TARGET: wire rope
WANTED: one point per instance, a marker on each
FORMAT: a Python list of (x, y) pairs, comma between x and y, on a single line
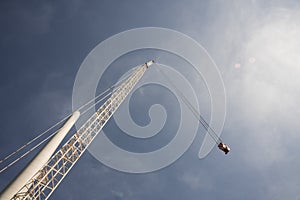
[(82, 109), (197, 115)]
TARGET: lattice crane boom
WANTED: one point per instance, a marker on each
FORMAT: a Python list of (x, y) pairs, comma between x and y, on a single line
[(47, 179)]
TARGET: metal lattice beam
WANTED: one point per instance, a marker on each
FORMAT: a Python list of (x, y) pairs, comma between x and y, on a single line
[(43, 184)]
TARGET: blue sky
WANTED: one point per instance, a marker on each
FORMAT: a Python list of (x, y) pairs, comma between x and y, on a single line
[(255, 44)]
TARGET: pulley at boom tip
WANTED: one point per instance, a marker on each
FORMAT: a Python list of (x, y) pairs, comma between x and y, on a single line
[(149, 63)]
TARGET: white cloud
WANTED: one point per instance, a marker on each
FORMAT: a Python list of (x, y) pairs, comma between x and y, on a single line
[(268, 91)]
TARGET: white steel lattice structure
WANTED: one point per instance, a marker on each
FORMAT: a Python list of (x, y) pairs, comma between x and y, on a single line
[(47, 179)]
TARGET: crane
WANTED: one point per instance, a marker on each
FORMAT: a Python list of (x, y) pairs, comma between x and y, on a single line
[(44, 173), (43, 183)]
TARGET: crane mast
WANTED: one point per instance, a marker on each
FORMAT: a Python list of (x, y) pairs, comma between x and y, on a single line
[(47, 179)]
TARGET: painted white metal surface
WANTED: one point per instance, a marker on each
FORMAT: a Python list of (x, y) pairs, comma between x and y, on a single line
[(39, 160), (149, 63), (48, 178)]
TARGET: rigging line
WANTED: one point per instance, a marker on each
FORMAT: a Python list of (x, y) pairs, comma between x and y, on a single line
[(117, 84), (34, 139), (30, 150), (198, 116), (194, 111), (93, 100), (134, 76), (43, 133), (219, 138), (214, 136), (98, 101), (53, 126), (202, 120), (26, 153)]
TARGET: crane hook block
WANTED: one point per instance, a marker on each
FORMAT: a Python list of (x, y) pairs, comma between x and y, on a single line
[(224, 147)]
